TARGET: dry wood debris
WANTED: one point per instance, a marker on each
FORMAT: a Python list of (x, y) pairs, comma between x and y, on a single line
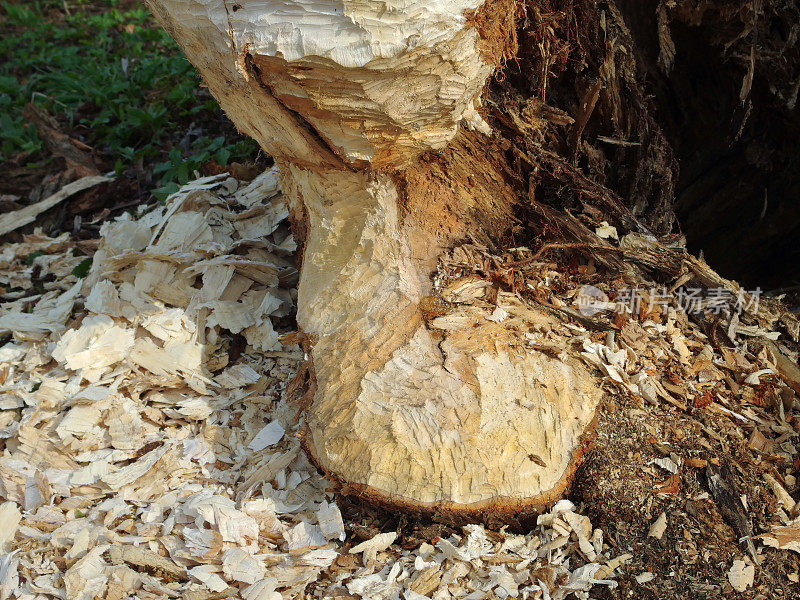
[(18, 218), (727, 375), (148, 447)]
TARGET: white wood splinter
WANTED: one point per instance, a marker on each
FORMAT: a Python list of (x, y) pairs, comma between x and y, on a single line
[(369, 108)]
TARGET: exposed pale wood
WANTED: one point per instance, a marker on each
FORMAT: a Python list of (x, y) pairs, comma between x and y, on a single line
[(374, 85), (443, 424), (347, 98)]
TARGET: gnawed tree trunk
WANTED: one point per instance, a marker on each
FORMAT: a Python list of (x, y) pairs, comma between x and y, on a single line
[(377, 116), (346, 99)]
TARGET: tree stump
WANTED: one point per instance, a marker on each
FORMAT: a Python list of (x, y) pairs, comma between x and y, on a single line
[(377, 116)]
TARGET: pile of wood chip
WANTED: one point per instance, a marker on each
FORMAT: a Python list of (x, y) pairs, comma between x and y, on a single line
[(706, 379), (148, 448)]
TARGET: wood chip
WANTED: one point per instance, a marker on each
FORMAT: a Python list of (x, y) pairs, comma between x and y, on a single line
[(372, 546), (139, 556), (783, 538), (205, 574), (330, 521), (658, 527), (10, 517), (780, 493), (9, 576), (304, 536), (269, 435), (741, 575)]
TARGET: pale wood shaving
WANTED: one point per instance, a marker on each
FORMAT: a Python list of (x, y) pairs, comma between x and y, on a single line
[(784, 538), (741, 575)]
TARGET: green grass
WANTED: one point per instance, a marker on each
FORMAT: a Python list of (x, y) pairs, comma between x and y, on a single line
[(116, 82)]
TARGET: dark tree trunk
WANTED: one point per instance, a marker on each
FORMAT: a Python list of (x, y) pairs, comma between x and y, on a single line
[(708, 91)]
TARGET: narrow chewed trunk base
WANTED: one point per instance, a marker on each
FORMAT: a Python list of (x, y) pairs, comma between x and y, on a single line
[(420, 400)]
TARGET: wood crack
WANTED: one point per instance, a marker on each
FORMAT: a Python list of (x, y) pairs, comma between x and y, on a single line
[(315, 136)]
